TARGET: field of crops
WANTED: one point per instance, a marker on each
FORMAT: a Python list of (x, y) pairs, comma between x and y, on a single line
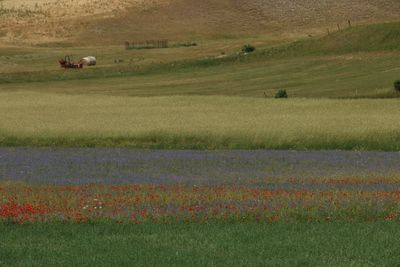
[(32, 119), (169, 225), (167, 204), (315, 244), (164, 157)]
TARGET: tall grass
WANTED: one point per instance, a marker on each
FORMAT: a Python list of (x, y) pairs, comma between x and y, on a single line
[(29, 119)]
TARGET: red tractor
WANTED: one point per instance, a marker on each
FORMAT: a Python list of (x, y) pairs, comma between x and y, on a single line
[(67, 63)]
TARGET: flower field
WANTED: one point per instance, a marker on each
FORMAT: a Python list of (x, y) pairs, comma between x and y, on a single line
[(345, 200)]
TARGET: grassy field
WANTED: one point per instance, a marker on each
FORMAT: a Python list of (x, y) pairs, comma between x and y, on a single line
[(328, 244), (178, 225), (197, 122), (351, 76), (295, 201), (357, 62), (209, 96), (199, 99), (366, 38)]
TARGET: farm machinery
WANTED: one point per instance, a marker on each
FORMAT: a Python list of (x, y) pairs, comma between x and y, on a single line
[(67, 63)]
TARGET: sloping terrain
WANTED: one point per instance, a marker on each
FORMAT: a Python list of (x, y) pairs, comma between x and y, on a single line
[(361, 61), (115, 21), (365, 38), (40, 21)]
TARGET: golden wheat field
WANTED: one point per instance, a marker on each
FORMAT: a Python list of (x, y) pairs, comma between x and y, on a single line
[(190, 121)]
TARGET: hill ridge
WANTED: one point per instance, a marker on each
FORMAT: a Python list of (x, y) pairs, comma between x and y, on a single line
[(114, 21)]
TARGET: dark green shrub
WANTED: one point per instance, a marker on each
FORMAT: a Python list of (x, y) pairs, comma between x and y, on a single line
[(281, 94), (397, 85), (248, 48)]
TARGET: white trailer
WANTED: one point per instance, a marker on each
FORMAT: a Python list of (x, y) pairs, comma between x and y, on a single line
[(88, 61)]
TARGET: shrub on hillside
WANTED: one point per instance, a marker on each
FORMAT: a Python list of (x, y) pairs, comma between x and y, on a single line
[(281, 94), (248, 48), (397, 85)]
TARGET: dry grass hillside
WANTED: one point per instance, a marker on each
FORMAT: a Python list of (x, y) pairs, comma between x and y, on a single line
[(114, 21)]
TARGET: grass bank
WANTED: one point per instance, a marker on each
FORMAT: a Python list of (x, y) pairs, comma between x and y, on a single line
[(365, 38), (357, 62), (196, 122), (328, 244)]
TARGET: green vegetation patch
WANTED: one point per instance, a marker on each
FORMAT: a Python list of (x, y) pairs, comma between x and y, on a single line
[(366, 38), (351, 76), (226, 244)]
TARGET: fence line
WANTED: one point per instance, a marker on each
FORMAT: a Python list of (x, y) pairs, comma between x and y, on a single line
[(163, 43)]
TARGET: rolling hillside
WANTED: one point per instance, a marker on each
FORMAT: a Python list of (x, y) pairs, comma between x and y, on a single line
[(364, 38), (361, 61), (115, 21)]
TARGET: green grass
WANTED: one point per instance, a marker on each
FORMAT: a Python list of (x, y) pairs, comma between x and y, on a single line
[(327, 244), (361, 62), (353, 76), (43, 105), (183, 122), (366, 38)]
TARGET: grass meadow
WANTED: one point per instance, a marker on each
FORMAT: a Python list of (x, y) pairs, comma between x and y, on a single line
[(360, 75), (334, 200), (360, 62), (249, 244), (210, 96), (178, 225), (197, 122)]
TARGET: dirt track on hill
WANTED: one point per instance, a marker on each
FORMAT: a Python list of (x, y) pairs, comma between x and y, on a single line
[(121, 166)]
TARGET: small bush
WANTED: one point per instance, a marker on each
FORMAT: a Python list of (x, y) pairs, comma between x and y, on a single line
[(397, 85), (281, 94), (248, 48)]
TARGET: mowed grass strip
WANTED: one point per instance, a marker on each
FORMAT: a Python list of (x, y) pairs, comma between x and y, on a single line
[(197, 122), (359, 75), (226, 244)]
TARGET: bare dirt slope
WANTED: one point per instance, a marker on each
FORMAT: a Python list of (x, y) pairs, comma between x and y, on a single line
[(113, 21)]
